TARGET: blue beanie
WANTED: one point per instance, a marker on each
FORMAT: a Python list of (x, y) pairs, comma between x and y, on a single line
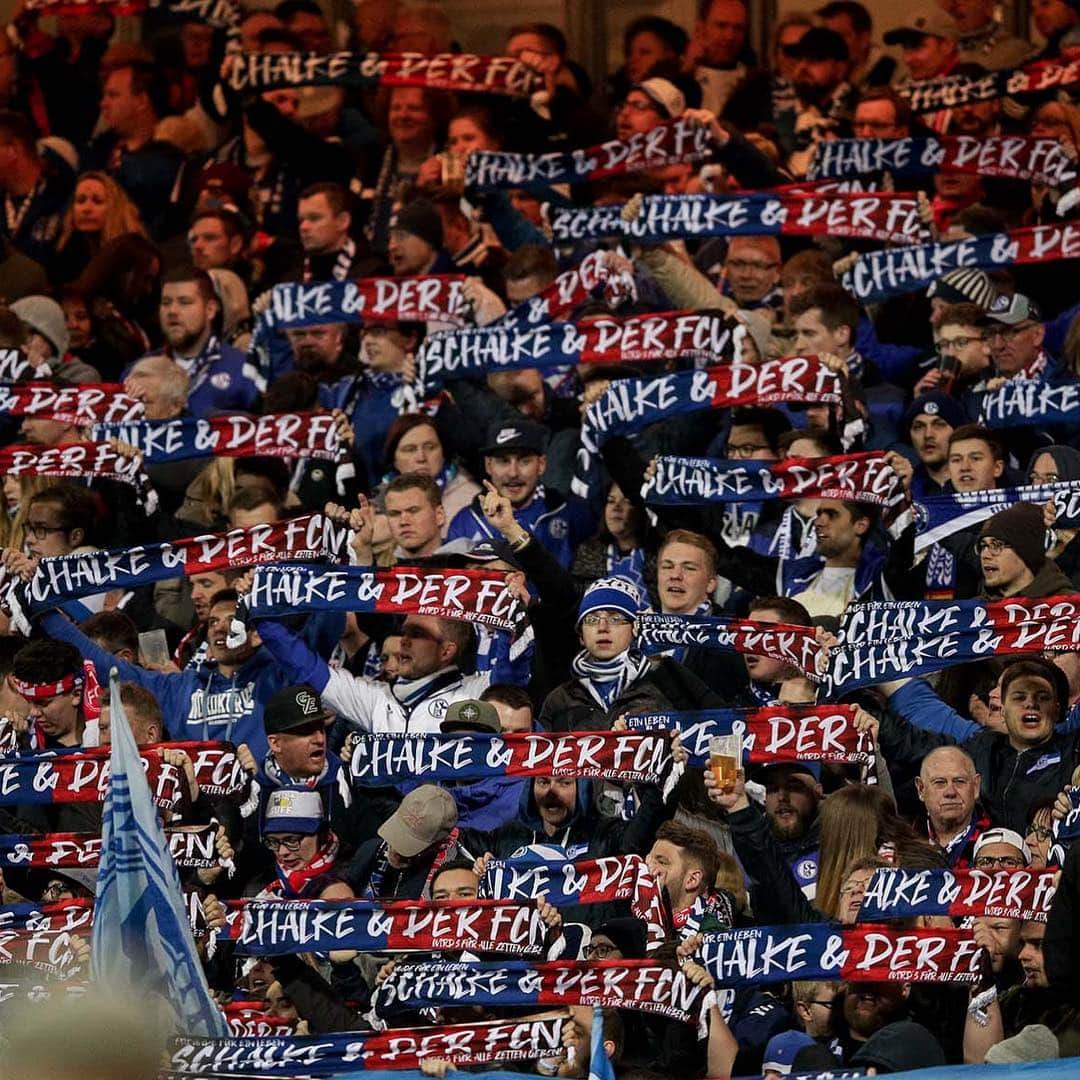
[(611, 594)]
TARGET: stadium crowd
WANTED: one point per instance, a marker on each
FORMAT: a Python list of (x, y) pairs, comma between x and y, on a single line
[(165, 224)]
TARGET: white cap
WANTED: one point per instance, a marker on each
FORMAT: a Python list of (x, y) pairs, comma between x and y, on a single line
[(1003, 836), (666, 94)]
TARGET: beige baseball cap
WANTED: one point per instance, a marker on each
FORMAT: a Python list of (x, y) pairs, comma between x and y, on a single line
[(929, 20), (426, 816)]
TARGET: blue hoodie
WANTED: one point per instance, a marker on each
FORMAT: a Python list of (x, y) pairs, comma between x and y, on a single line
[(199, 703)]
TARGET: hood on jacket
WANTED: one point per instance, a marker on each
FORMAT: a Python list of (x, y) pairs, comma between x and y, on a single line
[(1066, 458), (530, 812), (1051, 580), (899, 1047)]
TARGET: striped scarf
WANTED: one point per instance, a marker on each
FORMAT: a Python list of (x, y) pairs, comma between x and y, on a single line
[(607, 680)]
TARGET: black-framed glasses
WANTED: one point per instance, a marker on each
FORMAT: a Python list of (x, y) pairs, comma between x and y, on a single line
[(283, 843), (1041, 833), (1004, 862), (957, 342), (599, 952), (991, 546), (55, 890), (39, 530)]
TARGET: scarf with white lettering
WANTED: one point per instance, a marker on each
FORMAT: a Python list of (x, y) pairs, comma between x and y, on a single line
[(189, 848), (637, 985), (285, 1054), (87, 403), (15, 367), (939, 516), (889, 217), (768, 954), (877, 275), (65, 577), (287, 435), (705, 336), (268, 926), (865, 477), (669, 143), (886, 640), (459, 72), (607, 680), (900, 893), (89, 460), (1022, 157), (954, 91), (795, 645), (771, 733)]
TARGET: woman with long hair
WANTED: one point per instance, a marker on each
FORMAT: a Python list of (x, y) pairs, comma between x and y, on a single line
[(414, 444), (18, 492), (99, 211), (619, 546)]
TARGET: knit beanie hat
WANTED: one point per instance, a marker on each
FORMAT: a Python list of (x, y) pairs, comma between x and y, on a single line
[(420, 218), (1036, 1042), (1022, 528), (967, 286), (627, 935), (611, 594), (46, 316)]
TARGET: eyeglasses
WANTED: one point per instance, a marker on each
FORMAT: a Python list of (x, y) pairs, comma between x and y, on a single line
[(639, 106), (611, 618), (1044, 478), (39, 530), (744, 450), (990, 546), (853, 887), (957, 342), (1008, 331), (824, 1004), (287, 843), (1040, 833), (1006, 862), (55, 890), (750, 266), (599, 952)]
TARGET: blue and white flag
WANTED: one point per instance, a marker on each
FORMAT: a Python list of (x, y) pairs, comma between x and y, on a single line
[(142, 939), (599, 1063)]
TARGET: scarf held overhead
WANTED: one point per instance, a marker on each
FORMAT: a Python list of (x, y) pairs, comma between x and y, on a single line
[(768, 954), (954, 91), (899, 893), (885, 640), (772, 733), (1020, 156), (82, 776), (668, 335), (604, 755), (939, 516), (274, 927), (80, 459), (629, 405), (795, 645), (563, 883), (669, 143), (86, 404), (397, 1048), (885, 216), (188, 847), (313, 537), (478, 596), (288, 435), (877, 275), (460, 72), (865, 477), (638, 985)]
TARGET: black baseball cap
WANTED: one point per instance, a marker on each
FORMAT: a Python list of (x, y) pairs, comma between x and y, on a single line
[(818, 43), (292, 708), (521, 435)]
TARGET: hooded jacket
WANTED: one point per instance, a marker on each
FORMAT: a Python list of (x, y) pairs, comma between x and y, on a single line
[(198, 703)]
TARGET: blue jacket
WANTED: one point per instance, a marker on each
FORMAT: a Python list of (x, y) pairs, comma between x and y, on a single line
[(372, 405), (227, 384), (558, 524), (199, 703)]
